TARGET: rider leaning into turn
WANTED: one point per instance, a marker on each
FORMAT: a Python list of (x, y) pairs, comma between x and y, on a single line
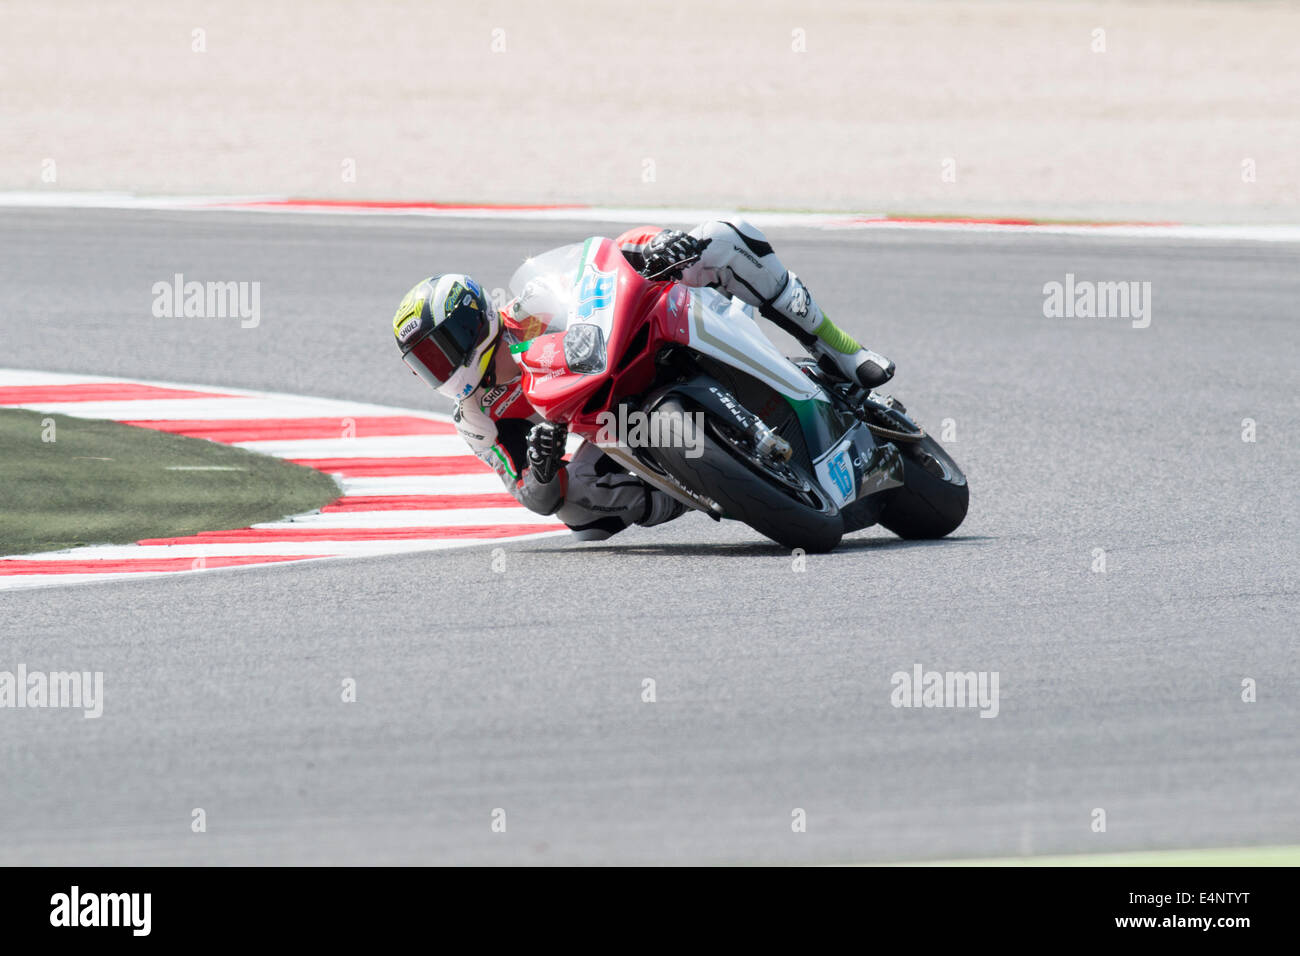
[(449, 335)]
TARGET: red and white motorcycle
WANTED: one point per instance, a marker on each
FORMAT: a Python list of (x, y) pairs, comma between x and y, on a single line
[(719, 418)]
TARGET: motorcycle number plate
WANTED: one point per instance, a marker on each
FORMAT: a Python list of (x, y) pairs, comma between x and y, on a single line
[(835, 474)]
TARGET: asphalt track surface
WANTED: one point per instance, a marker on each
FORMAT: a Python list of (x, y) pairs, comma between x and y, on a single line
[(522, 690)]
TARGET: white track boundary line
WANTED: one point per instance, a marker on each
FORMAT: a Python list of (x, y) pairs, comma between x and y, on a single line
[(1262, 232)]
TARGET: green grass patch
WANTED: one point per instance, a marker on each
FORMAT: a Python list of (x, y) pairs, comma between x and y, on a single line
[(1222, 856), (73, 481)]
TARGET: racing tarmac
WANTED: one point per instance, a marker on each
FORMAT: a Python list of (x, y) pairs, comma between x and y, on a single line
[(522, 689)]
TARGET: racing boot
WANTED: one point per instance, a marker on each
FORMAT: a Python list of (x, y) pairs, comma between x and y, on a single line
[(852, 361), (837, 352), (659, 508)]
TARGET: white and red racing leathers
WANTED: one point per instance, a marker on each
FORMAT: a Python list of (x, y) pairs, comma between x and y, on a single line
[(592, 494)]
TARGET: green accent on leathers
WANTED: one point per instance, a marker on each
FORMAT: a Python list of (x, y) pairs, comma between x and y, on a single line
[(835, 337)]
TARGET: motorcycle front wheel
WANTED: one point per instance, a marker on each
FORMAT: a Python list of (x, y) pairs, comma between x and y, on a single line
[(933, 499), (748, 491)]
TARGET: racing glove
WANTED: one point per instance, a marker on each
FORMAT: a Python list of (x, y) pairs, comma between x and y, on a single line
[(546, 450), (668, 253)]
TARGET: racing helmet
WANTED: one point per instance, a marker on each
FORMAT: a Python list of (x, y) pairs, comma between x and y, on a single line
[(447, 331)]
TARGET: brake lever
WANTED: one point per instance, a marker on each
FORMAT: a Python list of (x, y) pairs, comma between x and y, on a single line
[(669, 268)]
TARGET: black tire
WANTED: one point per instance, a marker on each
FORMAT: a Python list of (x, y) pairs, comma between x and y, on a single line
[(927, 505), (743, 493)]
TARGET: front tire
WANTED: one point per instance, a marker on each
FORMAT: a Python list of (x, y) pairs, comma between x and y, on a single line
[(741, 491), (933, 499)]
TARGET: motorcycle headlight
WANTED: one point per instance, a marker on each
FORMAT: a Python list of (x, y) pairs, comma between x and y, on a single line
[(584, 348)]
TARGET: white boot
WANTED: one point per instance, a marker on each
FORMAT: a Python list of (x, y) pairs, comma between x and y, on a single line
[(831, 345)]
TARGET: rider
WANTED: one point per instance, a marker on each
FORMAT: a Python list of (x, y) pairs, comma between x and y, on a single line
[(449, 335)]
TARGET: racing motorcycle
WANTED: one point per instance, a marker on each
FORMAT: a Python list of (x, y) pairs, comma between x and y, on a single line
[(728, 425)]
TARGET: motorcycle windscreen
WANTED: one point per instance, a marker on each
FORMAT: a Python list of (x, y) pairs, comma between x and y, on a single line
[(544, 286), (573, 285)]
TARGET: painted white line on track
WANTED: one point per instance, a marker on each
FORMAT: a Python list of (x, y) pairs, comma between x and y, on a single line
[(1262, 232), (485, 483), (448, 518), (126, 552), (405, 446), (184, 409)]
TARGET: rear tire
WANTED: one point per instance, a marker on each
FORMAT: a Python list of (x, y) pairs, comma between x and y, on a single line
[(743, 493), (928, 505)]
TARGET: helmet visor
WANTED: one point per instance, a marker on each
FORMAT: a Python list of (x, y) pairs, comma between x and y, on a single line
[(428, 360), (449, 346), (461, 333)]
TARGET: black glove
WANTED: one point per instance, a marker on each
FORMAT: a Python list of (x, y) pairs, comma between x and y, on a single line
[(671, 251), (546, 450)]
